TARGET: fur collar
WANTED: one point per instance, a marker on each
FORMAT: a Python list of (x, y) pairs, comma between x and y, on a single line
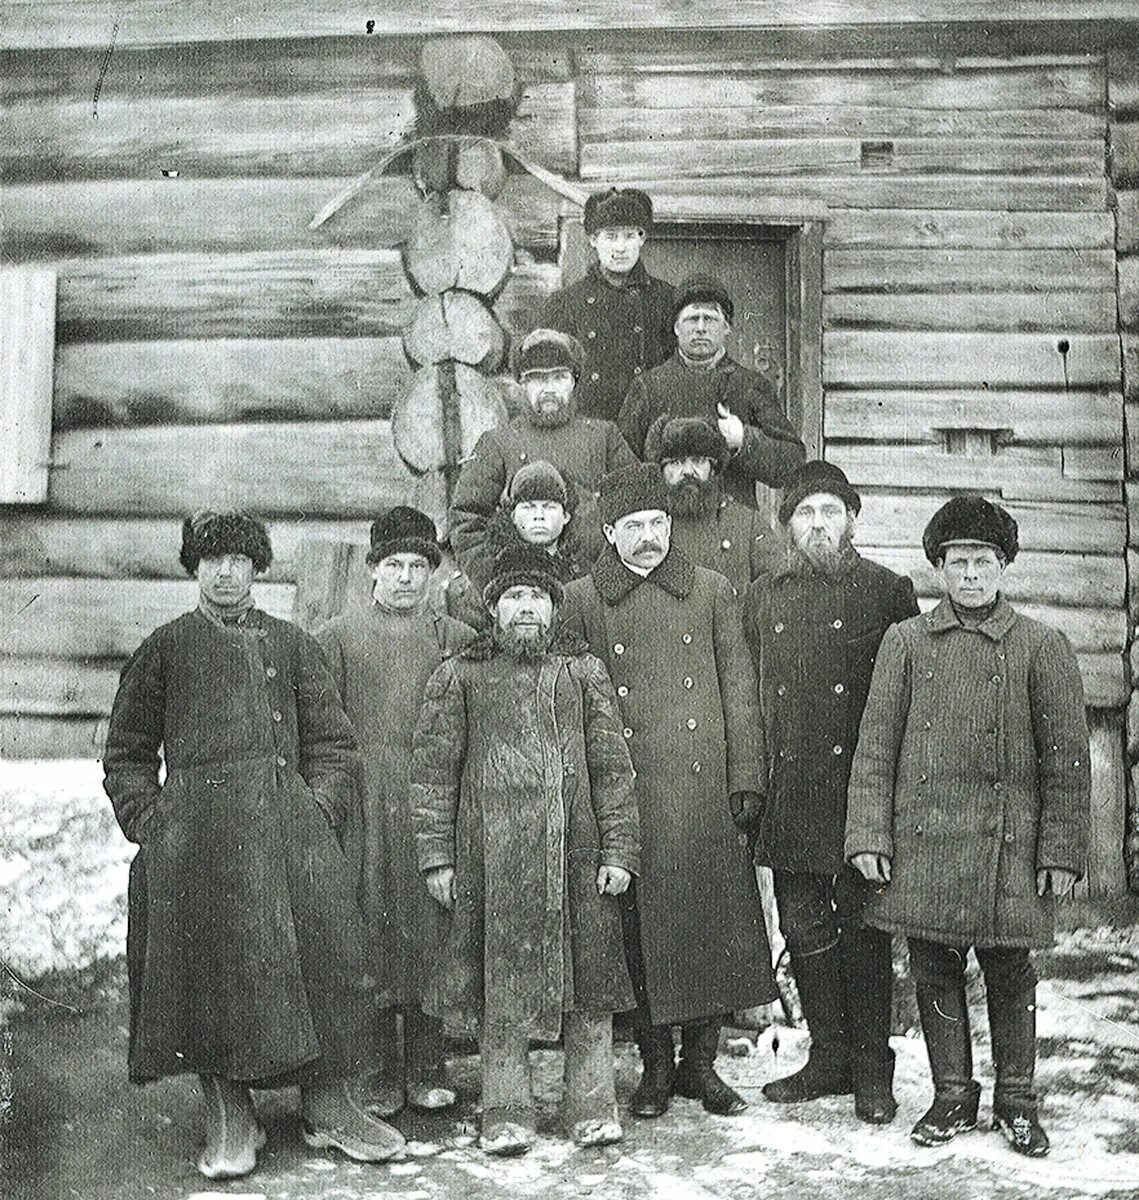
[(614, 581), (567, 643)]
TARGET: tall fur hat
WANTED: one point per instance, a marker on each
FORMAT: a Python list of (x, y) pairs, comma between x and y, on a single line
[(548, 349), (618, 208), (971, 519), (537, 480), (524, 564), (817, 476), (631, 489), (210, 534), (702, 289), (673, 438), (404, 530)]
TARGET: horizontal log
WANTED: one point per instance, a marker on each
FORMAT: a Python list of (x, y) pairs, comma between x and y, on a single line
[(1014, 474), (84, 618), (1032, 417), (57, 687), (269, 294), (1127, 222), (1107, 870), (705, 157), (148, 216), (1131, 369), (954, 270), (1123, 81), (334, 469), (897, 519), (344, 132), (1107, 683), (1093, 462), (1123, 153), (969, 360), (27, 737), (894, 228), (1128, 269), (1016, 312)]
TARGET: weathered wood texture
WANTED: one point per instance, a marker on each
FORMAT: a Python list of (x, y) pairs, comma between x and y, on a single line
[(27, 346), (36, 736), (1107, 874)]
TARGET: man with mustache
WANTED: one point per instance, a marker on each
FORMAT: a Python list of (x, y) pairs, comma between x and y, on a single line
[(381, 655), (549, 428), (712, 528), (526, 827), (619, 312), (813, 627), (670, 634), (702, 380)]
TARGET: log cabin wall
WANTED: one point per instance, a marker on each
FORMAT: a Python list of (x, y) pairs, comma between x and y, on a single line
[(210, 346)]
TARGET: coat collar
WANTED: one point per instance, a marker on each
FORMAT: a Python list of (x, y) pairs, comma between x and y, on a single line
[(567, 643), (789, 570), (994, 627), (637, 277), (614, 581)]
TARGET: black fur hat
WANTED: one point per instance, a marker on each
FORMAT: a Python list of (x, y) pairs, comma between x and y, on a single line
[(817, 476), (524, 564), (673, 438), (631, 489), (210, 534), (404, 530), (538, 480), (702, 289), (618, 208), (548, 349), (971, 519)]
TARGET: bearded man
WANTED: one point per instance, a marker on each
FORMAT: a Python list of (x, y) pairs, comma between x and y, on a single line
[(814, 628), (526, 827)]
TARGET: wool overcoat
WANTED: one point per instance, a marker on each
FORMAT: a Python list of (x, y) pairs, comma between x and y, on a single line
[(771, 448), (735, 540), (245, 946), (813, 640), (381, 662), (674, 647), (583, 450), (971, 774), (522, 782), (626, 330)]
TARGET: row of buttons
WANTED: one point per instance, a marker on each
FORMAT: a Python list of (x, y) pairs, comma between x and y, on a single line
[(838, 689), (779, 626)]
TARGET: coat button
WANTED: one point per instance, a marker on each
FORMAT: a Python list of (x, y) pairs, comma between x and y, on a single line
[(280, 761), (594, 376), (778, 626), (837, 750), (726, 544), (837, 623), (921, 779), (637, 329), (618, 648), (781, 690), (996, 679), (622, 691), (277, 716), (929, 674), (570, 769), (591, 334), (691, 722), (626, 732), (686, 638), (839, 689), (270, 672), (1009, 837), (697, 767), (591, 299), (688, 681), (997, 786), (928, 725), (637, 370)]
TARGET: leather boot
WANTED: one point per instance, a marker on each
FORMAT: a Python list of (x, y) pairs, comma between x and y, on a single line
[(696, 1076), (233, 1136), (945, 1024), (1012, 1027), (827, 1071), (651, 1097), (332, 1119), (868, 984)]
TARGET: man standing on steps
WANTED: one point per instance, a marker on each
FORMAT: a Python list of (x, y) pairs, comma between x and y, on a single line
[(814, 627)]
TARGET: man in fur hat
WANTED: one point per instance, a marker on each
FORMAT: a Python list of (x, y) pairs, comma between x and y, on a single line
[(526, 825), (969, 810), (813, 627), (712, 528), (381, 655), (702, 380), (618, 311), (245, 946), (582, 449), (671, 637)]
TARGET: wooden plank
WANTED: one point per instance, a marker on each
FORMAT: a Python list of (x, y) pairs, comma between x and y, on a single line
[(954, 270), (1093, 462), (1128, 272), (105, 618), (1123, 81), (1123, 153), (52, 737), (360, 293), (681, 157), (968, 360), (228, 379), (1106, 680), (334, 469), (891, 518), (145, 216), (1130, 369), (1018, 312), (996, 230), (57, 687), (1107, 873), (27, 350), (1045, 418), (1127, 222), (343, 133)]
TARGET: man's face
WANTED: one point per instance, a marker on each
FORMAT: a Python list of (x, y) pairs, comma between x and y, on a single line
[(971, 574), (701, 330), (226, 579), (618, 248), (400, 580), (680, 470), (548, 390), (524, 612), (821, 526), (540, 522), (641, 538)]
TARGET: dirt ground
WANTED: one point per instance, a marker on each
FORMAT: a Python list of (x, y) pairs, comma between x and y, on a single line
[(77, 1129)]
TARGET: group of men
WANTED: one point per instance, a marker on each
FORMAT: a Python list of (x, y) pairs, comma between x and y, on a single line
[(633, 691)]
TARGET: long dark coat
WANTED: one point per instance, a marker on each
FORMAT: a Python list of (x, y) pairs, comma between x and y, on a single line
[(625, 331), (735, 540), (771, 448), (381, 662), (245, 946), (583, 450), (674, 647), (521, 780), (813, 641), (971, 774)]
